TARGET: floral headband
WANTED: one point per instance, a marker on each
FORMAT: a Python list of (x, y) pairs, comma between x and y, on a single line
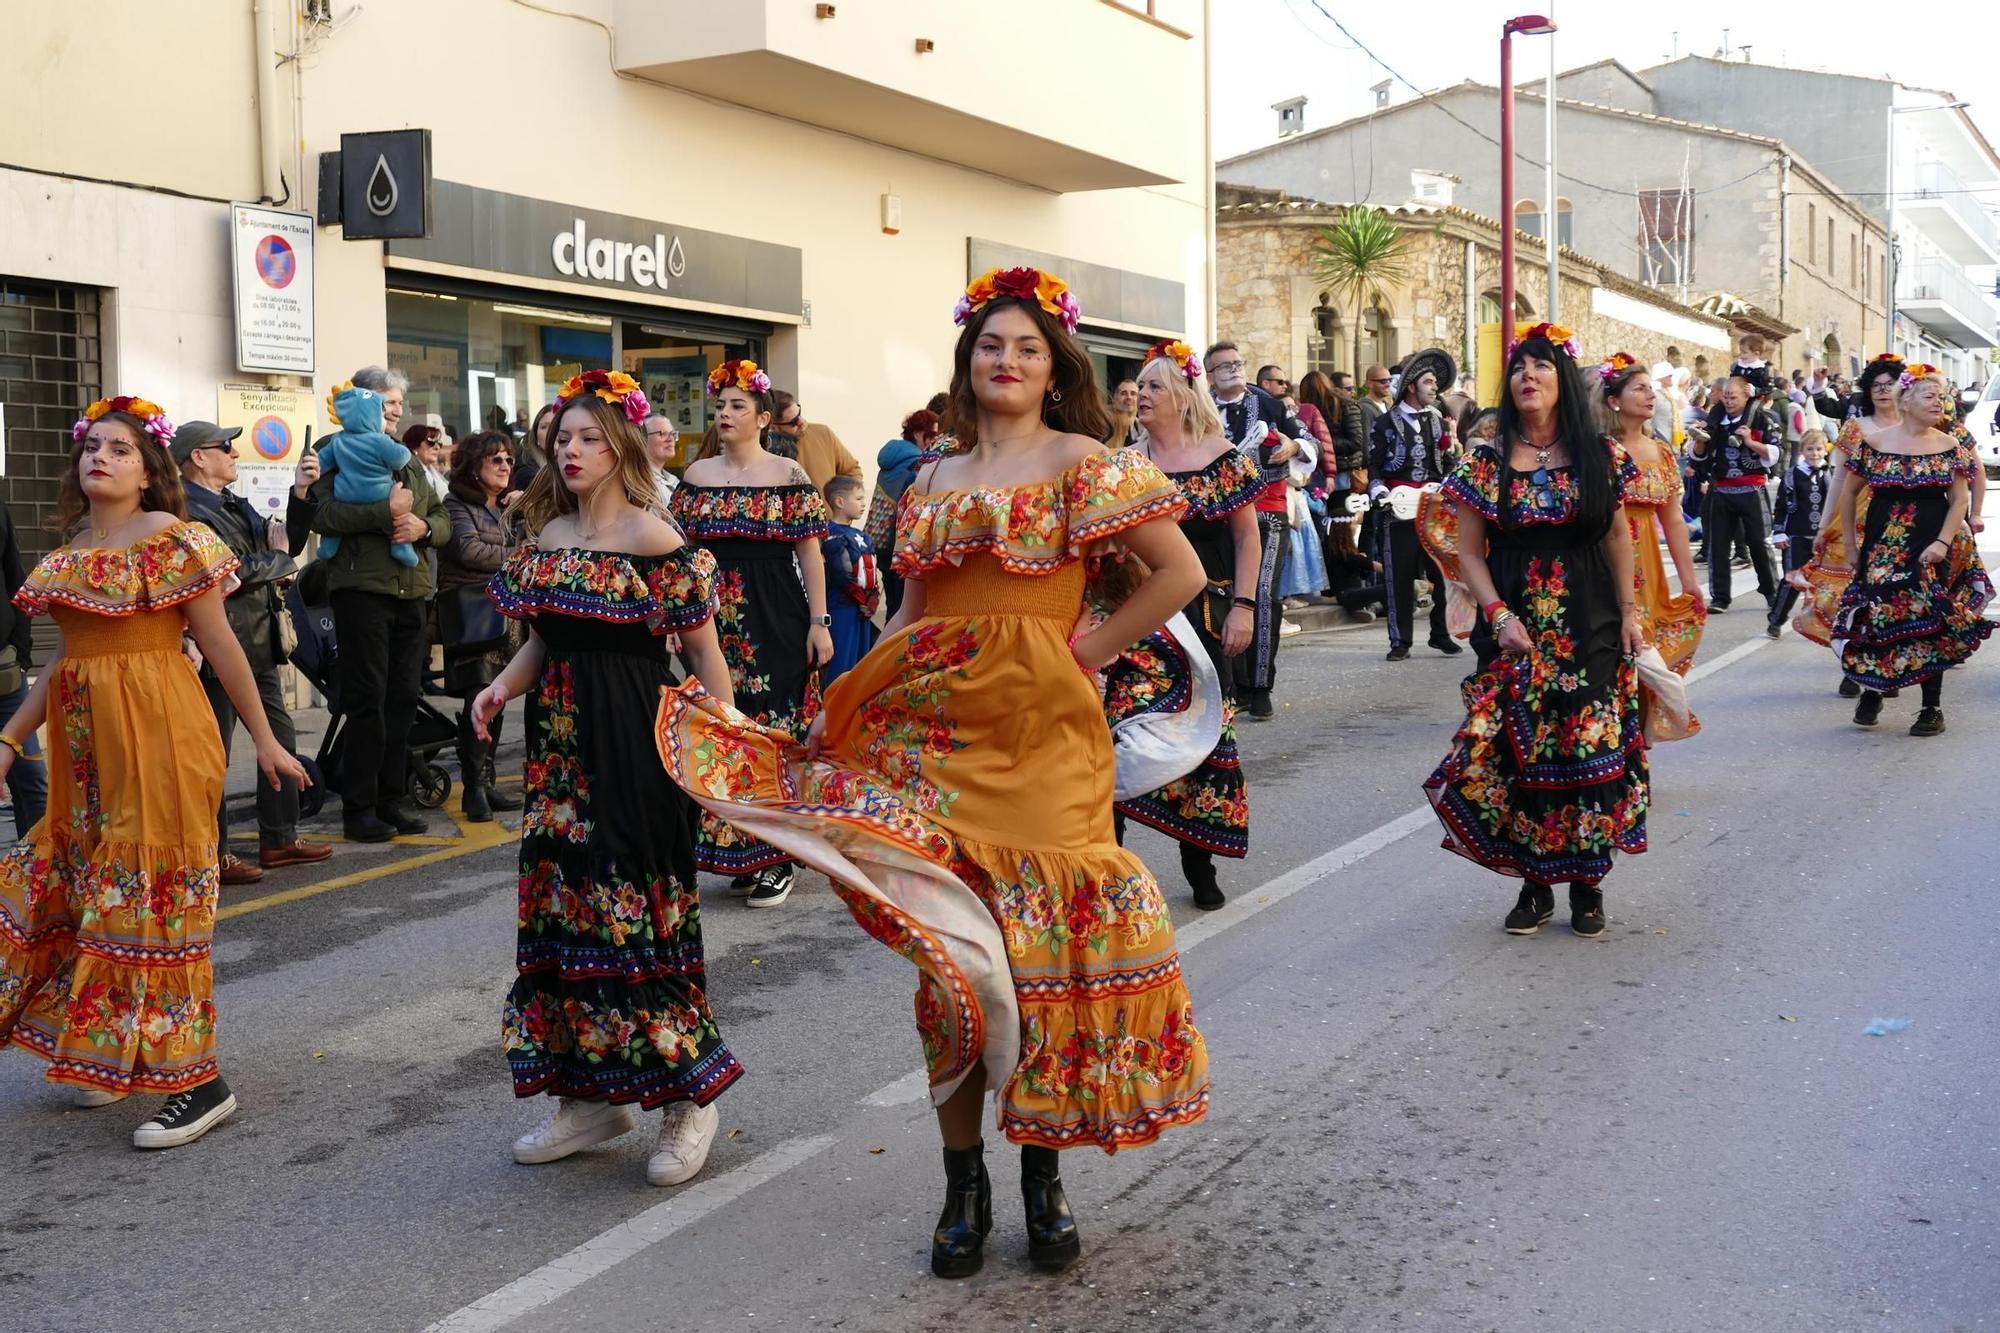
[(1917, 374), (1022, 284), (1179, 353), (614, 387), (1880, 357), (1618, 363), (333, 396), (1554, 333), (151, 413), (743, 375)]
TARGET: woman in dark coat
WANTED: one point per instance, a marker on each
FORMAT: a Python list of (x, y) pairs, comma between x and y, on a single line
[(482, 486)]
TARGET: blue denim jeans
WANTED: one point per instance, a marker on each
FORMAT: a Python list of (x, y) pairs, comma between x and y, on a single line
[(28, 782)]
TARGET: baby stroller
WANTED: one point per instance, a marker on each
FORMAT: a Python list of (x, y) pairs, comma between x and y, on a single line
[(317, 655)]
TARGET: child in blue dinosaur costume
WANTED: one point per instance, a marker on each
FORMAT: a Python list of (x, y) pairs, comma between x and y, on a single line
[(365, 461)]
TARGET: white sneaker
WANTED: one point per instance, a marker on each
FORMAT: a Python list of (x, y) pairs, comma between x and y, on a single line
[(687, 1132), (1287, 628), (92, 1098), (576, 1125)]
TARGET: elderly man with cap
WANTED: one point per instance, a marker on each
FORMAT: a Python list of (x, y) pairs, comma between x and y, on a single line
[(1407, 449), (207, 457)]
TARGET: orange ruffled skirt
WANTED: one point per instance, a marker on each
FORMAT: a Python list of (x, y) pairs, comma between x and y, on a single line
[(108, 906), (961, 805)]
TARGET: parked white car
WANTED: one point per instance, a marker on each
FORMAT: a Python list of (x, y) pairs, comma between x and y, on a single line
[(1980, 420)]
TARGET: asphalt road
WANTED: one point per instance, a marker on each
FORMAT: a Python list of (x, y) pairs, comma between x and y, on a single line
[(1419, 1122)]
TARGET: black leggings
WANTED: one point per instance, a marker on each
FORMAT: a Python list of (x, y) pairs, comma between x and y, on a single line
[(1932, 690)]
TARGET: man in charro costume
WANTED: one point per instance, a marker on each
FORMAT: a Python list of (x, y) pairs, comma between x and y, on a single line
[(1408, 449)]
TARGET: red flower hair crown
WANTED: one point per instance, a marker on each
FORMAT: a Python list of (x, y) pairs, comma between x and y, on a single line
[(1179, 353), (743, 375), (149, 412), (1615, 365), (614, 387), (1554, 333), (1022, 284)]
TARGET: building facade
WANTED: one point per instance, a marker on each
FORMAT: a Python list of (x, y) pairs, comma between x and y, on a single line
[(653, 185), (1875, 138), (1692, 209), (1273, 304)]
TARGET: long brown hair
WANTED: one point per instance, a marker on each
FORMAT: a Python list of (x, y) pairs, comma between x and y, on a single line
[(163, 492), (1316, 391), (1081, 410), (548, 498)]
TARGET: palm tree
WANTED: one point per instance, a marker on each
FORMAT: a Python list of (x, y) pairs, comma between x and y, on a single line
[(1362, 252)]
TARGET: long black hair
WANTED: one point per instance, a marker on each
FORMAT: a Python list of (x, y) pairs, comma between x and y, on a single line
[(1576, 427), (1862, 404)]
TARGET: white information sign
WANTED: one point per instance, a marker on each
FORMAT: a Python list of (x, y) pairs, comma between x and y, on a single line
[(271, 255), (274, 424)]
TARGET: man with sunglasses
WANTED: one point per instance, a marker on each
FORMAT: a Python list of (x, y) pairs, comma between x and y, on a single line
[(206, 453), (817, 449)]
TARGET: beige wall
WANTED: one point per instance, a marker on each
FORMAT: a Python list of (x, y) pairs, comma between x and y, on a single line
[(524, 101)]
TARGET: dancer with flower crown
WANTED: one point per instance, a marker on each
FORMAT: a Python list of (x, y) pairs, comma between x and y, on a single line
[(958, 787), (1915, 606), (1208, 811), (108, 906), (609, 1006), (1547, 778), (762, 519)]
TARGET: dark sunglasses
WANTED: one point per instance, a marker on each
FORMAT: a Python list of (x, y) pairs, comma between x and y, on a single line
[(222, 447)]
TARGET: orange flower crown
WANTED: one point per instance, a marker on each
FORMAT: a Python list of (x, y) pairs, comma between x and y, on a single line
[(1179, 353), (1918, 373), (743, 375), (147, 411), (614, 387), (1885, 356), (1615, 365), (1555, 333), (1022, 284)]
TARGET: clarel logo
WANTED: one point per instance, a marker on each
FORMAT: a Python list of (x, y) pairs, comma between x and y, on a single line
[(584, 256)]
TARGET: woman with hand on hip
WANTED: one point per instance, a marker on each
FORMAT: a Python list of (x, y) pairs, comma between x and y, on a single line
[(1546, 778), (609, 1006), (108, 907)]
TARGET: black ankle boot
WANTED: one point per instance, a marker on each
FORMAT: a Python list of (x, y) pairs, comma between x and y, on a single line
[(958, 1244), (1053, 1244), (472, 772), (1869, 711), (1586, 910), (1198, 865), (1532, 909), (495, 797)]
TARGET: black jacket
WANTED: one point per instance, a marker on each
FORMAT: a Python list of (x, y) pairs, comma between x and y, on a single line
[(252, 608), (1725, 458), (1403, 451), (16, 630), (1801, 501), (1350, 436), (1258, 405)]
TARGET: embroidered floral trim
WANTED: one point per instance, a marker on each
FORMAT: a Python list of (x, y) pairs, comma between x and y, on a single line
[(1878, 468), (1223, 487), (666, 592), (789, 513), (172, 566)]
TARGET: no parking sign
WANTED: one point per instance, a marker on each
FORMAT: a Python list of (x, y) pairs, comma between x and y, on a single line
[(274, 423), (272, 253)]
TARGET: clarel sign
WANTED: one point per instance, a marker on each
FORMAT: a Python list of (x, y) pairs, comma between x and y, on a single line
[(494, 232), (582, 255)]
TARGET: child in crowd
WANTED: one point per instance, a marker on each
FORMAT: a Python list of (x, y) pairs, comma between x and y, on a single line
[(1750, 363), (1795, 519), (853, 589), (363, 459)]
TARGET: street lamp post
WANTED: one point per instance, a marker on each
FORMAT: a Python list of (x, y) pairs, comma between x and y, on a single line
[(1530, 25), (1889, 186)]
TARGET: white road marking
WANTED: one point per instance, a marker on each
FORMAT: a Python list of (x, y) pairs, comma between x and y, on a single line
[(601, 1253), (598, 1255)]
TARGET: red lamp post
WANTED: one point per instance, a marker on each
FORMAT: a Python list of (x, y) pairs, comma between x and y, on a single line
[(1528, 25)]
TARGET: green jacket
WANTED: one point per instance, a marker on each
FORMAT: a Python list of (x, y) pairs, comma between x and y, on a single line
[(363, 562)]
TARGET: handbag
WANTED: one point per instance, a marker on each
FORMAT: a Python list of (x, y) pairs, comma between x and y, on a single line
[(468, 619)]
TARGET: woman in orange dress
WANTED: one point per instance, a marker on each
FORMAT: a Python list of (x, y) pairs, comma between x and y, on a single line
[(958, 787), (1673, 620), (107, 907)]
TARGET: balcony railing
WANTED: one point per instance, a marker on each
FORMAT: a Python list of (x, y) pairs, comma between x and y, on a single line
[(1939, 282), (1937, 184)]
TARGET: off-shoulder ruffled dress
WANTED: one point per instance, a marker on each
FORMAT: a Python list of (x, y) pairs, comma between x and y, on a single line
[(610, 1000), (762, 620), (961, 805), (108, 906)]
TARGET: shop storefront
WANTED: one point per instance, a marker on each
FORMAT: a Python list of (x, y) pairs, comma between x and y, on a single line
[(665, 304)]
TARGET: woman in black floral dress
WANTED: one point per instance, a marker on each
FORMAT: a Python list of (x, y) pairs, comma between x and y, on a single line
[(1547, 776), (762, 519), (1208, 811), (610, 1005)]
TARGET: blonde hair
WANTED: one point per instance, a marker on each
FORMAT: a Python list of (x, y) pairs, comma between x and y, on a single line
[(1195, 411), (1906, 389), (548, 498), (1817, 437)]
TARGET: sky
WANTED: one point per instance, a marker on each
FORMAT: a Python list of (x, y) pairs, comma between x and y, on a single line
[(1265, 51)]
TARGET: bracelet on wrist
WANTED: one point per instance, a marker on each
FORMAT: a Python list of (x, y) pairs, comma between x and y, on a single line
[(1247, 603), (1493, 608), (20, 750)]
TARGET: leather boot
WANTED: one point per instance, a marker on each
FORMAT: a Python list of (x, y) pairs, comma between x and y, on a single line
[(1198, 864), (496, 798), (958, 1244), (471, 772), (1053, 1244)]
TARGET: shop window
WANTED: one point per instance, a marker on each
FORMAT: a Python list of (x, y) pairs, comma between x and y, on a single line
[(50, 370)]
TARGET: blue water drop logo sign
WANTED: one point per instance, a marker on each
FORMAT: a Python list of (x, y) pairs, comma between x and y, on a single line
[(276, 264), (271, 438)]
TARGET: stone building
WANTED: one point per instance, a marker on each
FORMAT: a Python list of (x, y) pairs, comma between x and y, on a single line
[(1272, 303), (1692, 208)]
